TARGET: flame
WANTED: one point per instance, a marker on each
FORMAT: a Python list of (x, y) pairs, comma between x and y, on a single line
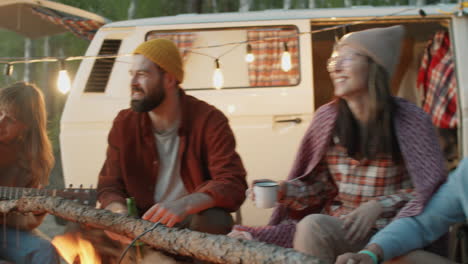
[(72, 246)]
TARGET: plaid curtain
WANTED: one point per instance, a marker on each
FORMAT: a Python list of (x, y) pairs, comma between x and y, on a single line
[(438, 83), (267, 47), (81, 27), (183, 40)]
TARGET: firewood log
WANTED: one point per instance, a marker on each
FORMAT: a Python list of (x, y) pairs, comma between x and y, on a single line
[(201, 246)]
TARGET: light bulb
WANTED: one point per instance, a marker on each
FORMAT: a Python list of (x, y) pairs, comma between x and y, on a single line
[(249, 57), (218, 78), (63, 82), (8, 69), (286, 59)]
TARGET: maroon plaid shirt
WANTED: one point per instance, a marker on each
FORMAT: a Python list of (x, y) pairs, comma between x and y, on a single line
[(438, 83)]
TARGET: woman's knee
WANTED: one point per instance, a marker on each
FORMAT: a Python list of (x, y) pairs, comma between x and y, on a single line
[(315, 223)]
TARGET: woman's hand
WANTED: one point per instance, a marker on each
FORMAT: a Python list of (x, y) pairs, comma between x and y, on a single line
[(360, 221), (281, 190)]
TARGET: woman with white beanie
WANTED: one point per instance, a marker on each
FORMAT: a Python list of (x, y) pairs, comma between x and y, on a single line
[(366, 157)]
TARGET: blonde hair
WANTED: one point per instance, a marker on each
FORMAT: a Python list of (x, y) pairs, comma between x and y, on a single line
[(26, 102)]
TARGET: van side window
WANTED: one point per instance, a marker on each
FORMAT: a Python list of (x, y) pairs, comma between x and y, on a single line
[(272, 61), (102, 68)]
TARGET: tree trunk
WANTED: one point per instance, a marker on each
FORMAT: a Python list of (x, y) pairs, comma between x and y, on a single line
[(132, 9), (244, 5), (222, 249), (286, 4), (27, 55), (214, 5), (420, 2), (194, 6), (46, 84)]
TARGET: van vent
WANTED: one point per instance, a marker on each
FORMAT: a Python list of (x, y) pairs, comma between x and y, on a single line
[(102, 68)]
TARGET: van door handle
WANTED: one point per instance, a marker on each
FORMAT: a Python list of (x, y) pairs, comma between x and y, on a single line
[(296, 120)]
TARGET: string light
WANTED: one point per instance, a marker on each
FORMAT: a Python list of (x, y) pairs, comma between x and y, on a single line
[(249, 57), (64, 83), (63, 80), (218, 78), (8, 69), (286, 64)]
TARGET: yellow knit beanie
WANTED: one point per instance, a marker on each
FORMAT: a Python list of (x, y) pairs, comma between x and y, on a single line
[(165, 54)]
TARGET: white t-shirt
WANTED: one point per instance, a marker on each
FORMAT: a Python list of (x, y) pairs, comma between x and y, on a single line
[(169, 185)]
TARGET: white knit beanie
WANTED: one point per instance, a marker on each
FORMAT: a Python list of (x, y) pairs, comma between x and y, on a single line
[(382, 45)]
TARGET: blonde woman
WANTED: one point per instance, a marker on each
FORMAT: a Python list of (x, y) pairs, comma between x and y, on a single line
[(26, 160)]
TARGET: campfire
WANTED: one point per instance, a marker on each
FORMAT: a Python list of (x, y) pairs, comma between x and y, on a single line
[(75, 249)]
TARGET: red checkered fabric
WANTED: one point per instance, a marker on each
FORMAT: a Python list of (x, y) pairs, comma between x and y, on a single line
[(81, 27), (183, 40), (357, 183), (438, 83), (267, 47)]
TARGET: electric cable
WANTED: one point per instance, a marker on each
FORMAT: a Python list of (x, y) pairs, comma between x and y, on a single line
[(135, 239)]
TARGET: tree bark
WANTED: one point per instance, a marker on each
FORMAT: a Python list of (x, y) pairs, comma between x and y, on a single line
[(222, 249)]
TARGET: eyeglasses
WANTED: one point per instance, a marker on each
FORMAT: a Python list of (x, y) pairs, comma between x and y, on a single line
[(341, 60)]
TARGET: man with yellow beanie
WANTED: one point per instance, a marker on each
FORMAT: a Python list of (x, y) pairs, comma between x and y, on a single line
[(172, 152)]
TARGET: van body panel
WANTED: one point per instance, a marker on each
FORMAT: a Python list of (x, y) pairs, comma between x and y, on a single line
[(460, 44), (281, 14)]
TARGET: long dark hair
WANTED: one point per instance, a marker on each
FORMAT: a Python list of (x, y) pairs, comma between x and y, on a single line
[(26, 101), (378, 135)]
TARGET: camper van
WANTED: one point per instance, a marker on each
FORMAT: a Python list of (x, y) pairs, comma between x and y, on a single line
[(269, 103)]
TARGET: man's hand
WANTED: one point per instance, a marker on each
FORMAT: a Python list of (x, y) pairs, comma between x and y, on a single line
[(360, 221), (354, 258), (117, 208), (173, 212), (168, 213)]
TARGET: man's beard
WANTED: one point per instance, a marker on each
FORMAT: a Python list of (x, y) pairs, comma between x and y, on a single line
[(148, 103)]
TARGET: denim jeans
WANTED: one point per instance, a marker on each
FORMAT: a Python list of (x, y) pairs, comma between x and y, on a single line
[(25, 247)]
